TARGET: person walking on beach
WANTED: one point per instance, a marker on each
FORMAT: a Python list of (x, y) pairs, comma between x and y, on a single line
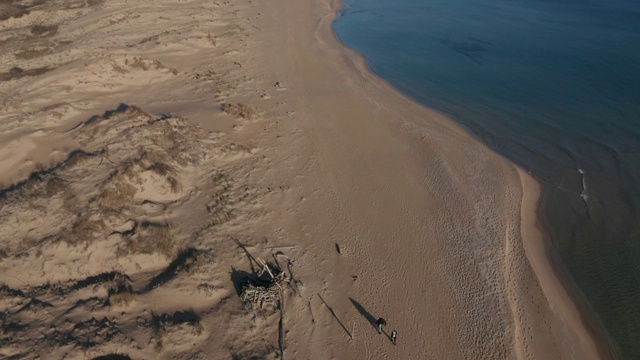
[(381, 322), (394, 336)]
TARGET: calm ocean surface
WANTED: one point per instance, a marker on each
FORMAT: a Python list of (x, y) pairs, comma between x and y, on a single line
[(553, 85)]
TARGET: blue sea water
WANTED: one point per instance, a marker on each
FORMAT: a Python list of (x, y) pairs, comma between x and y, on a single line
[(553, 85)]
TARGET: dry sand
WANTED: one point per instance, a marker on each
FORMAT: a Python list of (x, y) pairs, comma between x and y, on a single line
[(139, 139)]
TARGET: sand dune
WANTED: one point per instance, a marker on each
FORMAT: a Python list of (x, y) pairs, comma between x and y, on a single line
[(152, 152), (105, 250)]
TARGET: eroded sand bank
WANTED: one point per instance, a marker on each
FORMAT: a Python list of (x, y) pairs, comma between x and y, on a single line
[(247, 120)]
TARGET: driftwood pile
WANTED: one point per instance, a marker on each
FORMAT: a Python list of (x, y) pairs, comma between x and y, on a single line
[(267, 289), (270, 295), (260, 297)]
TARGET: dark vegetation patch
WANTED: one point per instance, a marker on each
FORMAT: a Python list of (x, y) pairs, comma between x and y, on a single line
[(121, 293), (161, 169), (163, 324), (34, 305), (259, 352), (100, 279), (18, 73), (47, 177), (6, 291), (219, 205), (238, 110), (32, 53), (160, 321), (168, 172), (113, 357), (122, 108), (186, 261), (77, 4), (44, 30), (83, 230), (86, 334), (9, 330), (10, 8), (144, 64), (47, 289), (91, 304), (149, 238)]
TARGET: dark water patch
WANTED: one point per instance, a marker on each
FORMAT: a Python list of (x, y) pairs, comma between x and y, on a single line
[(472, 49)]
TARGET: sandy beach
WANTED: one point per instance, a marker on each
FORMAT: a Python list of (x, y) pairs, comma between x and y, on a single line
[(153, 152)]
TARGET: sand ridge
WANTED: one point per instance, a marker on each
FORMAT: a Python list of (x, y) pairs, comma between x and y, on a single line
[(141, 138)]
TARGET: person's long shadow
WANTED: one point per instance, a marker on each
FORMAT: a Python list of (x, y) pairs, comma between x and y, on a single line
[(370, 318)]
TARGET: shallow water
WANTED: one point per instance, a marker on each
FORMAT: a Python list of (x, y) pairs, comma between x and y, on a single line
[(553, 85)]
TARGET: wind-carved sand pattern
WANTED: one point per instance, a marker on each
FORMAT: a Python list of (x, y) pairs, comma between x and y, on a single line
[(114, 240), (91, 244)]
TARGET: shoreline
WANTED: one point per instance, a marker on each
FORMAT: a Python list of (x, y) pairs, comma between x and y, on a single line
[(539, 248), (606, 345), (536, 241)]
